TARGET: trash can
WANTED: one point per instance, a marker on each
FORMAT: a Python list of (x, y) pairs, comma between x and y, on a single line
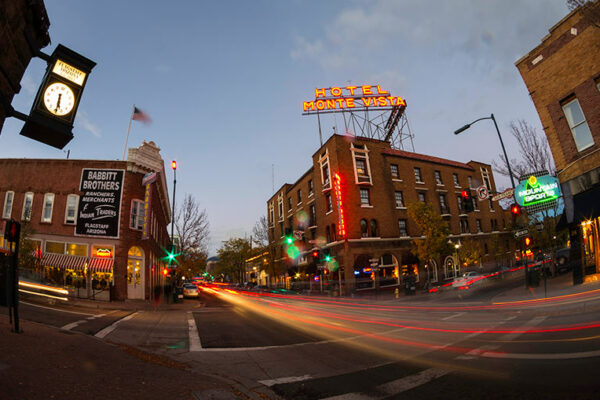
[(178, 294)]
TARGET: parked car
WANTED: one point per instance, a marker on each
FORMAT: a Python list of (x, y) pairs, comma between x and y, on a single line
[(466, 279), (190, 290)]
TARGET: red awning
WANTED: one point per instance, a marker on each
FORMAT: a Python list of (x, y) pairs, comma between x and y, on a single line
[(97, 264), (63, 261)]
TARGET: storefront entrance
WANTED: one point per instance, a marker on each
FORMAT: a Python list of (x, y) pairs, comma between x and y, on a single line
[(135, 273)]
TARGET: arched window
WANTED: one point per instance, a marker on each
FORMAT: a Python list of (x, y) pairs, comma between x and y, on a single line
[(374, 232), (363, 228)]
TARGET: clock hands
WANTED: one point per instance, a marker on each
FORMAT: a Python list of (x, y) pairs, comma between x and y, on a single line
[(58, 102)]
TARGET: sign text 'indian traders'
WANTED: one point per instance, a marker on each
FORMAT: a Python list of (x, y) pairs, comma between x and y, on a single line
[(352, 98), (100, 203)]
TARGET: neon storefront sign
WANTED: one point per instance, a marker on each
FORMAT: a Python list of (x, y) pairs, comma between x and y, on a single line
[(103, 253), (351, 98), (537, 190)]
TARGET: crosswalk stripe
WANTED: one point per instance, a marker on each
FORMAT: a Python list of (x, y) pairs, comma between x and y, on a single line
[(195, 344)]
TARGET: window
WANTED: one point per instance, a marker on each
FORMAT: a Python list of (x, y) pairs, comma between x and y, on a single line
[(333, 233), (578, 125), (291, 223), (328, 233), (280, 204), (324, 162), (364, 197), (361, 167), (310, 187), (289, 204), (485, 249), (470, 181), (281, 228), (494, 224), (418, 175), (438, 178), (76, 249), (464, 226), (48, 206), (421, 196), (475, 204), (363, 228), (402, 227), (137, 214), (478, 225), (455, 177), (27, 206), (399, 199), (299, 196), (486, 178), (71, 209), (8, 202), (491, 204), (313, 215), (460, 204), (271, 214), (374, 232), (443, 206), (55, 247), (394, 170), (329, 205)]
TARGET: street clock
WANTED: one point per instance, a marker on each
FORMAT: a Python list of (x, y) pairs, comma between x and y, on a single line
[(53, 112)]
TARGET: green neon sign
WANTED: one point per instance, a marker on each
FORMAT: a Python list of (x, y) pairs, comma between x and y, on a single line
[(537, 190)]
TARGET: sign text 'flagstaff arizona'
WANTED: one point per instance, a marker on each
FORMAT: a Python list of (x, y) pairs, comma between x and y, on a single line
[(351, 98), (536, 190)]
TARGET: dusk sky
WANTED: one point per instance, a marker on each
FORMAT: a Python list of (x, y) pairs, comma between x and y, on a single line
[(224, 81)]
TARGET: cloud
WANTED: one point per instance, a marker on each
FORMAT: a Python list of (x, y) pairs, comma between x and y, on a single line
[(84, 123)]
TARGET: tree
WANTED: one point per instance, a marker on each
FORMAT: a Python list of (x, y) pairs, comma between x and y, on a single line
[(260, 232), (470, 252), (232, 258), (534, 152), (435, 230), (192, 227)]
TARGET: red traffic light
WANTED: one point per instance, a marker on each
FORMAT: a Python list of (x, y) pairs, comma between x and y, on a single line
[(174, 164), (315, 254), (465, 193), (515, 209), (527, 241), (165, 272)]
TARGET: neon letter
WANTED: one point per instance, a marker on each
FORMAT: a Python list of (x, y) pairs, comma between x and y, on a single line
[(308, 105), (400, 101), (351, 89), (366, 90), (320, 104), (340, 102), (382, 102), (336, 91), (381, 91), (367, 101), (350, 103), (330, 103), (319, 93)]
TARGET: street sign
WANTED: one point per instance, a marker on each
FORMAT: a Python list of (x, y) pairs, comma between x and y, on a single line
[(521, 232), (372, 260), (482, 193), (507, 193), (298, 235)]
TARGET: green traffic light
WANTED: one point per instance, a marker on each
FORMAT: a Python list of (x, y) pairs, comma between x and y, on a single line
[(289, 240), (327, 257)]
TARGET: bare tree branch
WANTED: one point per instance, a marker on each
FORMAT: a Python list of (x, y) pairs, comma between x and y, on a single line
[(192, 226), (260, 232)]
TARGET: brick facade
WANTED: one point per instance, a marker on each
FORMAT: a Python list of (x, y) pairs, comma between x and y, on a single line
[(344, 158), (62, 177)]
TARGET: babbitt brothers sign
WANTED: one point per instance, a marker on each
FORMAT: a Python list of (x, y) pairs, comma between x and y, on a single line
[(100, 204)]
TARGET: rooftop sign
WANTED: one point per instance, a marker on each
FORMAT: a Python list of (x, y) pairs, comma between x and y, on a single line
[(355, 98), (537, 190)]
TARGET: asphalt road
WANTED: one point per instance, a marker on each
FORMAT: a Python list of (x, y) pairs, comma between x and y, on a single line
[(451, 345)]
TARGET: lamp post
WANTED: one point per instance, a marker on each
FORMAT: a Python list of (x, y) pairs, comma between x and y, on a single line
[(464, 128), (174, 166)]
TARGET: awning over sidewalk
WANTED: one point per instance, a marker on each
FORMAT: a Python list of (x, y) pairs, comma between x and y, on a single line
[(97, 264), (63, 261)]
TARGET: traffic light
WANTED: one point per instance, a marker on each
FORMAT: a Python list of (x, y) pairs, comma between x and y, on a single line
[(288, 236), (467, 200), (165, 272), (527, 241), (12, 231), (515, 210), (327, 256), (316, 255)]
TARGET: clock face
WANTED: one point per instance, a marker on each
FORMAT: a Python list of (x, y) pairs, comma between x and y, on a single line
[(59, 99)]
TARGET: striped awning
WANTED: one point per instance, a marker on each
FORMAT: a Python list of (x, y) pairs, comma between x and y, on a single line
[(63, 261), (97, 264)]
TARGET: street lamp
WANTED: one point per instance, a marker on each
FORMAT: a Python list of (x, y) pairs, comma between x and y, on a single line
[(464, 128), (174, 166)]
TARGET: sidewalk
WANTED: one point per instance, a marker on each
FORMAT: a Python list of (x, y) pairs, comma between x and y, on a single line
[(45, 362)]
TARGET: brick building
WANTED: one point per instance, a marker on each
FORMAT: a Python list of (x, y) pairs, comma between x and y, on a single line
[(562, 75), (23, 32), (375, 184), (96, 230)]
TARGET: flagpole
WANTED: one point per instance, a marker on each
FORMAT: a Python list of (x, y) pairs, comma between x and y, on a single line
[(128, 128)]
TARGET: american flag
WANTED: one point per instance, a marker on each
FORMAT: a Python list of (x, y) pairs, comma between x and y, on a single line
[(139, 115)]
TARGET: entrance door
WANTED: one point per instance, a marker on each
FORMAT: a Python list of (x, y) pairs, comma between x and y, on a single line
[(135, 273)]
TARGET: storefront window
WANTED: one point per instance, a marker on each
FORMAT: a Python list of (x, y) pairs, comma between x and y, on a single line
[(134, 272), (55, 247), (75, 249), (589, 243)]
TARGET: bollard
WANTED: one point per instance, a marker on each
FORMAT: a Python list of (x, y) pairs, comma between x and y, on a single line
[(397, 293)]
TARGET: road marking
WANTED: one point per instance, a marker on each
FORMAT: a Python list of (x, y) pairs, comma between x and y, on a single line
[(54, 309), (452, 316), (101, 334), (72, 325), (96, 316), (533, 356), (287, 379), (195, 344), (397, 386)]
